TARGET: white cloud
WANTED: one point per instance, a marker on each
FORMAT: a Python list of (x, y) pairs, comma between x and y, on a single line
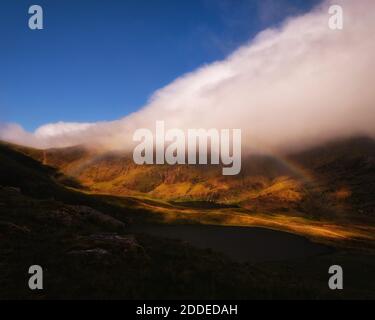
[(61, 128), (294, 86)]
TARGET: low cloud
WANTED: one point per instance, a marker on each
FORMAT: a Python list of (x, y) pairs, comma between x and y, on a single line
[(291, 87)]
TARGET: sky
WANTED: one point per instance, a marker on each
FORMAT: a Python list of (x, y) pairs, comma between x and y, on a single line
[(102, 60), (292, 82)]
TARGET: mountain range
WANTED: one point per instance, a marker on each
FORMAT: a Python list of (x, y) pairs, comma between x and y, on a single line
[(72, 208)]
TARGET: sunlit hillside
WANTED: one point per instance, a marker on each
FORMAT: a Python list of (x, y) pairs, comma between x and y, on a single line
[(52, 217), (332, 180)]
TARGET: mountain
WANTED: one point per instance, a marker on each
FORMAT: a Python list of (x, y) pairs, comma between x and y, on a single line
[(83, 241), (345, 170), (335, 179)]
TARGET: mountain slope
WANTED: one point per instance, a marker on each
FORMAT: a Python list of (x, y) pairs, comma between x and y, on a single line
[(83, 244), (332, 180)]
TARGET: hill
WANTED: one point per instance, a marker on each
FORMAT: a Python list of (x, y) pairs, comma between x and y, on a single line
[(87, 251), (335, 179)]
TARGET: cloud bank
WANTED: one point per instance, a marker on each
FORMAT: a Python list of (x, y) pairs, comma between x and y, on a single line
[(290, 87)]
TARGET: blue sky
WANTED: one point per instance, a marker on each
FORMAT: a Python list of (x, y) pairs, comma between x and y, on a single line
[(101, 60)]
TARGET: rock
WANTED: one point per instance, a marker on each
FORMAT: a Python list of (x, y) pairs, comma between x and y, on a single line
[(97, 217), (126, 243), (111, 242), (75, 215), (11, 228), (11, 189), (95, 251)]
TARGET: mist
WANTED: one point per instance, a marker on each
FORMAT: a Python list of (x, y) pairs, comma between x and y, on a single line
[(289, 88)]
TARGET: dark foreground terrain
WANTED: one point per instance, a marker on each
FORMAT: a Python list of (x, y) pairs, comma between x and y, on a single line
[(242, 244), (87, 249)]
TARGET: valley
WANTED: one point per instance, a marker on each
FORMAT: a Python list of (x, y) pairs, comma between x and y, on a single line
[(126, 231), (325, 193)]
